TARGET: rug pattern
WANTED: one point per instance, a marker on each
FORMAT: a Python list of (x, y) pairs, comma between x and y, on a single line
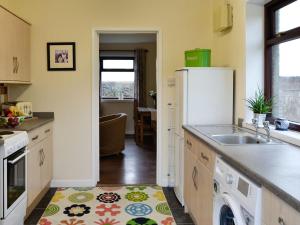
[(128, 205)]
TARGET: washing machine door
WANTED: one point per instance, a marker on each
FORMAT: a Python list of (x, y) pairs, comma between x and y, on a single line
[(227, 211)]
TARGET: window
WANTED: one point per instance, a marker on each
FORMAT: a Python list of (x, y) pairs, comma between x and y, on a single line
[(117, 77), (282, 59)]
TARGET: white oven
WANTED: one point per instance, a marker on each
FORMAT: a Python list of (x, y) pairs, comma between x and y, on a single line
[(13, 176)]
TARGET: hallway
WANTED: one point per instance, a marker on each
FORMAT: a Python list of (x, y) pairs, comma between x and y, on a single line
[(135, 165)]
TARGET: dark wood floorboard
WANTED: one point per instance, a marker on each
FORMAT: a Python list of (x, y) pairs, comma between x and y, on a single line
[(180, 217), (135, 165)]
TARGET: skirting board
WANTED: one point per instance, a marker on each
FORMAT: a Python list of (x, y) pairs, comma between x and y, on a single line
[(73, 183), (165, 182)]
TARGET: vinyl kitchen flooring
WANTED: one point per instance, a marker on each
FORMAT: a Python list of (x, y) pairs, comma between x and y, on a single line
[(178, 212)]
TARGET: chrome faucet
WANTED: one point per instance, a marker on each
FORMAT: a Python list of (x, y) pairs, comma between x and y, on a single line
[(255, 124), (266, 128)]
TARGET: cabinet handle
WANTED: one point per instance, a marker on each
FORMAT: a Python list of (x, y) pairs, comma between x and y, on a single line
[(14, 64), (17, 66), (34, 138), (193, 175), (196, 174), (281, 221), (41, 160), (43, 156), (47, 131), (189, 143), (203, 156)]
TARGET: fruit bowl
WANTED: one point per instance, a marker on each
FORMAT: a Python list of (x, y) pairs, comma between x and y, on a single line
[(12, 117), (11, 121)]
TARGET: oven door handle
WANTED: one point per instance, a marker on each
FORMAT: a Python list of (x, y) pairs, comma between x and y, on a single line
[(18, 158)]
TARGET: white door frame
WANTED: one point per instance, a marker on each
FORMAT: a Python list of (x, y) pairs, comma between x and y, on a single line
[(95, 99)]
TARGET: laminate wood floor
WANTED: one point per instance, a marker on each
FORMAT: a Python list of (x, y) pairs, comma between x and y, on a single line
[(135, 165)]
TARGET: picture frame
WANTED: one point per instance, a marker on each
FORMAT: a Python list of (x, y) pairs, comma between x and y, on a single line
[(61, 56)]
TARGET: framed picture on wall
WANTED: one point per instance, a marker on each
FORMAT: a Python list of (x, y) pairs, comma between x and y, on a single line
[(61, 56)]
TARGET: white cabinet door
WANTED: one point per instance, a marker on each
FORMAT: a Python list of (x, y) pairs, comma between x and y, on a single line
[(204, 194), (34, 172), (39, 162), (15, 48), (46, 169)]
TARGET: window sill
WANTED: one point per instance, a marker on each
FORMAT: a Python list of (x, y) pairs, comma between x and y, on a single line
[(292, 137), (116, 100)]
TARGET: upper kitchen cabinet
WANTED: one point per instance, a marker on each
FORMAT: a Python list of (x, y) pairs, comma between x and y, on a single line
[(14, 48)]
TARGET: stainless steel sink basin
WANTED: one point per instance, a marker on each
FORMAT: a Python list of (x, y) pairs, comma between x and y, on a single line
[(236, 139)]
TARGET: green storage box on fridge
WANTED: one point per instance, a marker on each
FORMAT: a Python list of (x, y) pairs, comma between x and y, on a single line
[(197, 58)]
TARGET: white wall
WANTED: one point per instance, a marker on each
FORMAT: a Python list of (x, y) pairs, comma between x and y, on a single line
[(254, 52), (183, 24), (120, 106)]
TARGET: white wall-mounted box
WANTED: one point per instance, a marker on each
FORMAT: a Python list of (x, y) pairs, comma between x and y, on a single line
[(223, 17)]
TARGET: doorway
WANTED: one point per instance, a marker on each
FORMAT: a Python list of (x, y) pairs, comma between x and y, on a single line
[(119, 84)]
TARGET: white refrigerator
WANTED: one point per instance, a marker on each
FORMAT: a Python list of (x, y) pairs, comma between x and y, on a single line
[(203, 96)]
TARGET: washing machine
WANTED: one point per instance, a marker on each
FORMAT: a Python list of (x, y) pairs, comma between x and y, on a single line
[(237, 200)]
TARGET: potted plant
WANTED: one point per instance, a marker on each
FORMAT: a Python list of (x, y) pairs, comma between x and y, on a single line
[(260, 106), (152, 94)]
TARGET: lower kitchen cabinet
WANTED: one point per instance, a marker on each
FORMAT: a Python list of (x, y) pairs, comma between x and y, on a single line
[(198, 180), (277, 212), (34, 172), (204, 195), (39, 163), (199, 163), (189, 180), (46, 168)]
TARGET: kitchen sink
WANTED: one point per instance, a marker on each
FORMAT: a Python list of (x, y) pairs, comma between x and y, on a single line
[(236, 139)]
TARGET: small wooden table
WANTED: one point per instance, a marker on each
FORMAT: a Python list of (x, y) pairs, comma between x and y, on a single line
[(143, 124)]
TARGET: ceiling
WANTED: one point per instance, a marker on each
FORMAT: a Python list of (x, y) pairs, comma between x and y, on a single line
[(128, 38)]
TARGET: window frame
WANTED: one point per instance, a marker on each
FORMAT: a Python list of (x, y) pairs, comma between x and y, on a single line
[(271, 39), (114, 70)]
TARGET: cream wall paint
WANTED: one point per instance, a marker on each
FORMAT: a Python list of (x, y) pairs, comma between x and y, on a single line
[(184, 25), (229, 50)]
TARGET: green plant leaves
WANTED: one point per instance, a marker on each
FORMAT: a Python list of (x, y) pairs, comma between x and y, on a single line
[(259, 104)]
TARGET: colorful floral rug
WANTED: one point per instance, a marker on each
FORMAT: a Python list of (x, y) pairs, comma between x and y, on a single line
[(128, 205)]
